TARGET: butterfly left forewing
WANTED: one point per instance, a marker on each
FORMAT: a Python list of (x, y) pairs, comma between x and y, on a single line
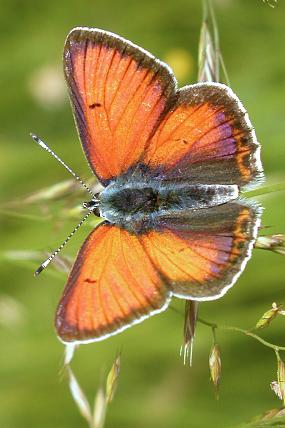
[(200, 254), (118, 92)]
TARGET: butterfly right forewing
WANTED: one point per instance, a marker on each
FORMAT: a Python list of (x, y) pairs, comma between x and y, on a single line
[(206, 138)]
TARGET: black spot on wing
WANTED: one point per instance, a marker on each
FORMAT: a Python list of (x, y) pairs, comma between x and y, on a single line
[(94, 105), (90, 281)]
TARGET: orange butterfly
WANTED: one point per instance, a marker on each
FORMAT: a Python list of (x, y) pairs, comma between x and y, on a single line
[(172, 162)]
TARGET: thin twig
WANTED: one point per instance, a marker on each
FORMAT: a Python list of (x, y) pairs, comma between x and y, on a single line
[(264, 190), (241, 330), (23, 216)]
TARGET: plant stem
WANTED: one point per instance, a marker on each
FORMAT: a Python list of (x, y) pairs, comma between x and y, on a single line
[(16, 214), (264, 190), (246, 332)]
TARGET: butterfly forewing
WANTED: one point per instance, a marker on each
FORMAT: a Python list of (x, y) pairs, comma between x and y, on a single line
[(207, 138), (118, 92)]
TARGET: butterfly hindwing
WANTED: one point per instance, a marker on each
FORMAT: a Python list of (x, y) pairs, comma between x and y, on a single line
[(200, 254), (118, 92), (206, 137), (113, 284)]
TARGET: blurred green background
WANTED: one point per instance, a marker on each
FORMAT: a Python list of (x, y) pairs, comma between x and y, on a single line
[(155, 389)]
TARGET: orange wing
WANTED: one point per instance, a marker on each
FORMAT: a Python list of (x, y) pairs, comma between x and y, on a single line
[(118, 92), (206, 137), (112, 285), (202, 253), (120, 278)]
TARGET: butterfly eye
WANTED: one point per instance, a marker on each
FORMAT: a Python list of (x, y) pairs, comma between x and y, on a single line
[(91, 205)]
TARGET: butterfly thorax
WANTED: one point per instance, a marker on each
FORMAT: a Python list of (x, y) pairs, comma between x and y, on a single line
[(135, 204)]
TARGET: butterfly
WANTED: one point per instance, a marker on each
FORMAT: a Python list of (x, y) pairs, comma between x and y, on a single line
[(172, 162)]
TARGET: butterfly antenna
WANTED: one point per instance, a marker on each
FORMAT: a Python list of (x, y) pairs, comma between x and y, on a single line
[(49, 150), (51, 257)]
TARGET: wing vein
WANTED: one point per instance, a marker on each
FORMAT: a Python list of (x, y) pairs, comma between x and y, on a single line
[(177, 266), (119, 86), (117, 89), (191, 263), (105, 84), (178, 125), (196, 126), (135, 280), (133, 95), (144, 125)]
